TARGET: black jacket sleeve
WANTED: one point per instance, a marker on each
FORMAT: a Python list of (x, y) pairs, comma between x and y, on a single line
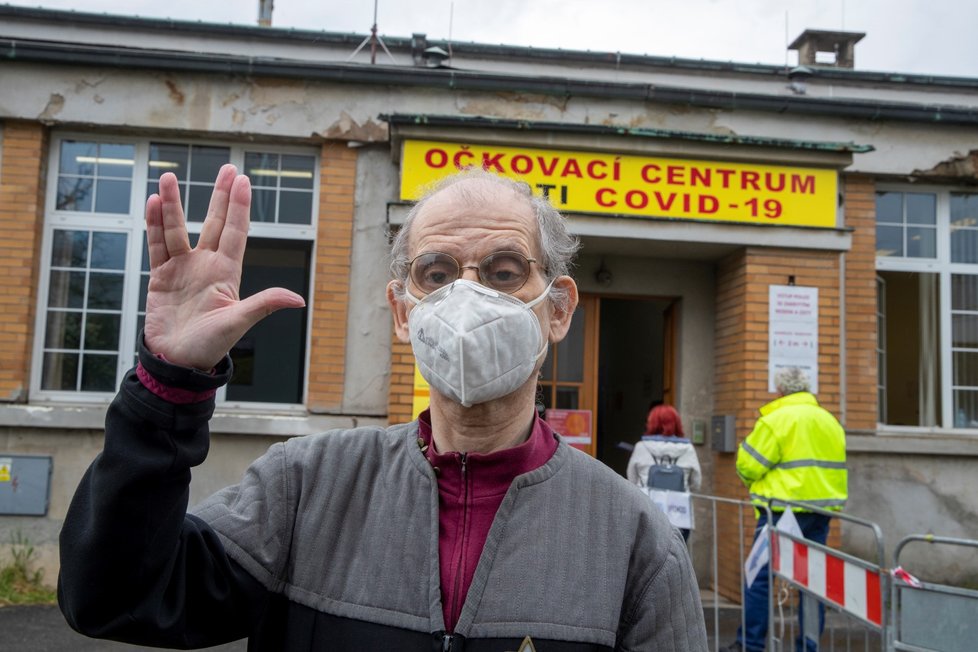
[(134, 566)]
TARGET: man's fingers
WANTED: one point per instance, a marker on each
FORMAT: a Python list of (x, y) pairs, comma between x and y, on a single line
[(154, 232), (258, 306), (234, 235), (174, 225), (210, 233)]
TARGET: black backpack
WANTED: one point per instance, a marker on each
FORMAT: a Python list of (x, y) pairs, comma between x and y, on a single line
[(664, 474)]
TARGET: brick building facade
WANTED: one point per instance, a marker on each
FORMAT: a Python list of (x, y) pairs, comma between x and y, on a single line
[(675, 307)]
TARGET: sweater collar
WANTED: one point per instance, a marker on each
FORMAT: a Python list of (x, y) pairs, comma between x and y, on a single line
[(494, 472)]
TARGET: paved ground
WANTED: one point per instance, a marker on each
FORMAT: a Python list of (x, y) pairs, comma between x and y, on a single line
[(43, 629)]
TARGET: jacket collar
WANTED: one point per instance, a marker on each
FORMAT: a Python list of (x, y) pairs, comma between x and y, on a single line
[(798, 398)]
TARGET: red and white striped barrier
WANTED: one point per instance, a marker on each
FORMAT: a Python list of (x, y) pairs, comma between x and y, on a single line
[(854, 589)]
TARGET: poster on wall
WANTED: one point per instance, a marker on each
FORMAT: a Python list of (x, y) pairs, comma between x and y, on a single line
[(792, 332), (573, 425)]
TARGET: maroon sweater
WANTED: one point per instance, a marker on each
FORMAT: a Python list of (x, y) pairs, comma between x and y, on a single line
[(470, 488)]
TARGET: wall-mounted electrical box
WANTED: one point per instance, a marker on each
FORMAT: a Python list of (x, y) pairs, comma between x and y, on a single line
[(722, 433), (25, 484)]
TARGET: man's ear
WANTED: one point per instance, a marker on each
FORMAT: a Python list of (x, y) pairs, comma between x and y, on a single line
[(560, 318), (399, 309)]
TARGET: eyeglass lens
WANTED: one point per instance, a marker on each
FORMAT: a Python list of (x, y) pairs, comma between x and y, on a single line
[(506, 271)]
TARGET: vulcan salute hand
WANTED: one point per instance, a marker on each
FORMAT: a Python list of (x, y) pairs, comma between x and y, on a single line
[(193, 313)]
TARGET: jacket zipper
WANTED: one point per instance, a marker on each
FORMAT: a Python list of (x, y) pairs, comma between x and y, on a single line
[(463, 458), (446, 642)]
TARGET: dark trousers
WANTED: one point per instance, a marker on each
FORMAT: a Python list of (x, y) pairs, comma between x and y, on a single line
[(815, 527)]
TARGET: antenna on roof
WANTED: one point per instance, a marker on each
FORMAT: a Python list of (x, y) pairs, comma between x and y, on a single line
[(373, 39), (451, 17)]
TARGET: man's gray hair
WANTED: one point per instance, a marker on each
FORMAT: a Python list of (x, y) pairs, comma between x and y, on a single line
[(557, 245), (790, 380)]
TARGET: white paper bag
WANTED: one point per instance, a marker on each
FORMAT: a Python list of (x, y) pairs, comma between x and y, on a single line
[(676, 505), (760, 554)]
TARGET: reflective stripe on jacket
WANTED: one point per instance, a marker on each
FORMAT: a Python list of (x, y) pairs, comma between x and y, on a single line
[(797, 451)]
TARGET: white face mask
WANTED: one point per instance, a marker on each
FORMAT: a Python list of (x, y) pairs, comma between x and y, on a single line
[(474, 344)]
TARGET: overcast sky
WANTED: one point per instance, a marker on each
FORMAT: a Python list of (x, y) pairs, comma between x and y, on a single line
[(912, 36)]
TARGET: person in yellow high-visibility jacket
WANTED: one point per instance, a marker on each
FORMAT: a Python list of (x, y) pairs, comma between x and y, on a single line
[(796, 452)]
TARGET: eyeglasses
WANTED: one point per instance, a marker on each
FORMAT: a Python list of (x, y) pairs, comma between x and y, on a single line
[(506, 271)]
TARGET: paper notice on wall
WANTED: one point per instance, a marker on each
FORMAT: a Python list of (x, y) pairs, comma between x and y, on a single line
[(793, 332), (5, 465)]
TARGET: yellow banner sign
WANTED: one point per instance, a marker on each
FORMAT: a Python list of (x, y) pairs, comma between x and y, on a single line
[(593, 182)]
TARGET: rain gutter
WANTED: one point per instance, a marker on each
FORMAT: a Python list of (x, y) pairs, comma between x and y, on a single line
[(58, 53)]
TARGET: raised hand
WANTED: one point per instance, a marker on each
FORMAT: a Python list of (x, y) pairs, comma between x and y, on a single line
[(193, 313)]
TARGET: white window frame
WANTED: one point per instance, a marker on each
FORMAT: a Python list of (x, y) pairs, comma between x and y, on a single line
[(134, 225), (942, 266)]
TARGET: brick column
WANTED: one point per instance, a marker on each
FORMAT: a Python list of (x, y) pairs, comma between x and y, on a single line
[(23, 169), (330, 301), (743, 279), (861, 336), (401, 396)]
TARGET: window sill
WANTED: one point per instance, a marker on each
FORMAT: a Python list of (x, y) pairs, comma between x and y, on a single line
[(239, 421), (913, 441)]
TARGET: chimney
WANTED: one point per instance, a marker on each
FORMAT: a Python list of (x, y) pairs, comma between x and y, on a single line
[(837, 48), (265, 12)]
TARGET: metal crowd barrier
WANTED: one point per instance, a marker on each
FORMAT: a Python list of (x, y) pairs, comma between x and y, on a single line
[(720, 622), (850, 590), (865, 607), (930, 617)]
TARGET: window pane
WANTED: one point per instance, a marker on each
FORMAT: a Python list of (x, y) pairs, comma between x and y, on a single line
[(116, 160), (69, 249), (105, 291), (262, 205), (964, 245), (965, 409), (199, 200), (74, 194), (272, 354), (297, 171), (889, 207), (63, 330), (921, 208), (295, 207), (98, 373), (205, 163), (911, 375), (966, 368), (964, 331), (77, 158), (964, 210), (921, 242), (66, 289), (570, 352), (167, 157), (567, 398), (889, 241), (60, 371), (102, 332), (112, 196), (108, 250), (262, 168), (964, 292)]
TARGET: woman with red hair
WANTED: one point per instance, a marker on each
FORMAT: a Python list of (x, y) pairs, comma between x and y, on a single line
[(664, 443)]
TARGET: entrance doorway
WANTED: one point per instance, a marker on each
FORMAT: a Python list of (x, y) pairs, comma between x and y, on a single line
[(635, 370), (614, 363)]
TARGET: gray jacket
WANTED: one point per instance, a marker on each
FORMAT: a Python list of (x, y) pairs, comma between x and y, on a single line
[(346, 524)]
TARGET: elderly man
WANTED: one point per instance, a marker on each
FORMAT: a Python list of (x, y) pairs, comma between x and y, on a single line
[(796, 452), (473, 528)]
